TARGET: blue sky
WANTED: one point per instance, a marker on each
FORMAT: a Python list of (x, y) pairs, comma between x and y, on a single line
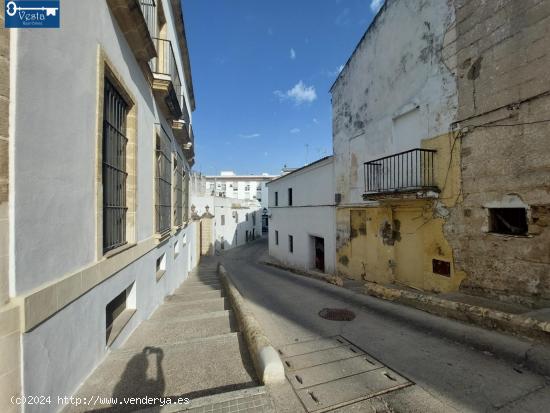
[(262, 71)]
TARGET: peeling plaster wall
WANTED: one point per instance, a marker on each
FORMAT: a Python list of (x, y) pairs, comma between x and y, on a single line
[(398, 92), (401, 70), (395, 240), (503, 60)]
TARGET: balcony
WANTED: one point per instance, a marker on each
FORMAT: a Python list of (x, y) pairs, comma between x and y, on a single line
[(137, 20), (180, 127), (166, 82), (189, 148), (405, 173)]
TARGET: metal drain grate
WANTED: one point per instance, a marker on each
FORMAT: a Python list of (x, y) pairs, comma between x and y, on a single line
[(337, 314)]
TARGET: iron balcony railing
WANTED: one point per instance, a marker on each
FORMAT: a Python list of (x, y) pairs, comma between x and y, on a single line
[(149, 11), (165, 64), (404, 171)]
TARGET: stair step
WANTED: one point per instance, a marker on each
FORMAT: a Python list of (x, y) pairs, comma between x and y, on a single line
[(250, 399), (161, 332), (190, 369), (184, 309), (189, 297), (197, 289)]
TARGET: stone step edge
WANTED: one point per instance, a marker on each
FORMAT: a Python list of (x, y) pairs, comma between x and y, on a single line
[(195, 317), (206, 401), (195, 302), (191, 341)]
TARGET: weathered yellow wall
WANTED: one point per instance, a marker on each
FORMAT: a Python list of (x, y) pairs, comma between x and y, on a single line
[(400, 237)]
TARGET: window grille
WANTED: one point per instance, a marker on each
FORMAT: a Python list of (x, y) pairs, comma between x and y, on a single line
[(178, 190), (163, 177), (115, 111)]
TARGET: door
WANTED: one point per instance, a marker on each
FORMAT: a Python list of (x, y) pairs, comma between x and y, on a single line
[(320, 254)]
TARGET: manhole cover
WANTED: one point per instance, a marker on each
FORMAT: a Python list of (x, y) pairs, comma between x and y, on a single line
[(337, 314)]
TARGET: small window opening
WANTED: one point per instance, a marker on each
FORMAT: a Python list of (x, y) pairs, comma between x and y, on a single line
[(509, 221), (441, 267), (290, 243), (161, 266)]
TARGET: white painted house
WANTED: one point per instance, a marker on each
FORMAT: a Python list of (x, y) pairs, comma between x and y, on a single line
[(100, 147), (245, 187), (302, 219), (234, 221)]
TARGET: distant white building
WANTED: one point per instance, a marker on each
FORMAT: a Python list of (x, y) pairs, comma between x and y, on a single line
[(234, 221), (244, 187), (302, 212)]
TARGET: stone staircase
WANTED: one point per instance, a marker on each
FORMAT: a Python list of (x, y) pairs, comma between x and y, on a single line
[(189, 348)]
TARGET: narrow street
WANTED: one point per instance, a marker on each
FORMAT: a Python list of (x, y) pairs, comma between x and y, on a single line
[(447, 376)]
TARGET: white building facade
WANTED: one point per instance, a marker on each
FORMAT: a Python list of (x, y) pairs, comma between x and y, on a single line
[(244, 187), (100, 148), (302, 219)]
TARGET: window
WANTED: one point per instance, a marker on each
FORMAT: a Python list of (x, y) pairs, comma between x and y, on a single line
[(247, 188), (178, 190), (115, 111), (163, 178), (118, 312), (222, 220), (289, 196), (254, 218), (247, 217), (290, 243), (176, 248), (441, 267), (161, 266), (509, 221), (276, 237), (185, 194), (276, 199)]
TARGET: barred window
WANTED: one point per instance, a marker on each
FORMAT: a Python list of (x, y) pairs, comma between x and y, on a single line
[(185, 197), (178, 190), (115, 111), (164, 184)]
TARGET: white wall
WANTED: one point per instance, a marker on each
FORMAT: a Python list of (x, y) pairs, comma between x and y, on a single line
[(312, 214), (54, 202), (233, 232), (60, 353), (397, 88)]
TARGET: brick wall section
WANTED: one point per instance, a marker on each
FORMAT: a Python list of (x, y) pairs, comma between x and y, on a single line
[(503, 59)]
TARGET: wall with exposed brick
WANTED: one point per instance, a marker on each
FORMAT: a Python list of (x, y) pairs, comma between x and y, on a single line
[(503, 58)]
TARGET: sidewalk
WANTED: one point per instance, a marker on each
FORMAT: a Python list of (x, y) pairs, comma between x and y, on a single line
[(189, 348)]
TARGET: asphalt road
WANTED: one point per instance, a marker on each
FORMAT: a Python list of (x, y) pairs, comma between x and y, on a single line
[(447, 375)]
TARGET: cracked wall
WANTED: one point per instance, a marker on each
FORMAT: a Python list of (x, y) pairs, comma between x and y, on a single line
[(397, 92), (503, 54)]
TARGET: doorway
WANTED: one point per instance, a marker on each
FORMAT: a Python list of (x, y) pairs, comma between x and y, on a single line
[(319, 253)]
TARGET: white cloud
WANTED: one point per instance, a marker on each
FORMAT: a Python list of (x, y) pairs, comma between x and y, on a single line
[(292, 53), (343, 19), (315, 120), (249, 136), (300, 93), (375, 5), (295, 130)]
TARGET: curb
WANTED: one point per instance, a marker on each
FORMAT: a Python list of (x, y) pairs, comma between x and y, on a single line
[(267, 362), (486, 317)]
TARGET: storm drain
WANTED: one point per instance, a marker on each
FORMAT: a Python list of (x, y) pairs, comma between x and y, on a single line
[(329, 373), (337, 314)]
